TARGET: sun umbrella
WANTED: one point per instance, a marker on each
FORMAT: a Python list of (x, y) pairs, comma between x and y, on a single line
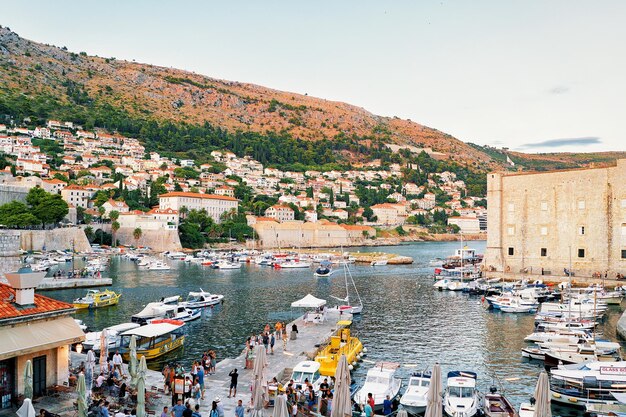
[(141, 397), (542, 396), (259, 384), (81, 390), (434, 403), (104, 351), (132, 365), (342, 405), (90, 367), (280, 406), (28, 380), (27, 409), (402, 413)]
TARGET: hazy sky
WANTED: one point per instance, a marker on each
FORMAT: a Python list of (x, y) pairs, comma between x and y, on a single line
[(532, 75)]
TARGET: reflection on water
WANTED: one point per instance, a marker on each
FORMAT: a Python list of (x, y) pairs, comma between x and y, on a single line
[(404, 319)]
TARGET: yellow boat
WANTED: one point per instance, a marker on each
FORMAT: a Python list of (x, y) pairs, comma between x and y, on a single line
[(341, 343), (155, 339), (97, 299)]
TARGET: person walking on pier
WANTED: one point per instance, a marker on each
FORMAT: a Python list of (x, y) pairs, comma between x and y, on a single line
[(266, 342), (117, 363), (272, 341), (201, 381), (233, 382), (284, 340)]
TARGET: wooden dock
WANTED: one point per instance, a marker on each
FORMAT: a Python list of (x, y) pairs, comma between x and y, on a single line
[(280, 364)]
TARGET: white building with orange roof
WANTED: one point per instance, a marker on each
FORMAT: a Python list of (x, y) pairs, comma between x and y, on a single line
[(225, 190), (77, 195), (215, 205), (112, 205), (280, 212), (53, 185)]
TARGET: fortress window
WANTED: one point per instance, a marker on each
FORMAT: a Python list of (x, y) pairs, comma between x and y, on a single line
[(581, 253), (511, 251), (544, 252), (544, 231), (581, 230), (623, 253), (581, 204), (544, 205)]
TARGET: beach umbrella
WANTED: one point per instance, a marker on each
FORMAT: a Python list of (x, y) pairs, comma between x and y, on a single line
[(142, 369), (259, 383), (280, 406), (402, 413), (90, 368), (132, 365), (342, 406), (104, 351), (434, 402), (28, 380), (81, 390), (141, 397), (27, 409), (542, 396)]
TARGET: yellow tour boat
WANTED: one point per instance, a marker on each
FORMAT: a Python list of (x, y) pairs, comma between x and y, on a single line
[(97, 299), (341, 343), (155, 339)]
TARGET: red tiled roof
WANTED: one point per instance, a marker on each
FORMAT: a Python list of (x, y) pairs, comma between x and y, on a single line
[(42, 304), (197, 195)]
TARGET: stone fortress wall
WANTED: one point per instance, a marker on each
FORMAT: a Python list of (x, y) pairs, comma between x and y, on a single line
[(536, 221)]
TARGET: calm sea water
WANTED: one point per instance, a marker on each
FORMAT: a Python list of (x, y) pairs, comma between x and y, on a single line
[(404, 319)]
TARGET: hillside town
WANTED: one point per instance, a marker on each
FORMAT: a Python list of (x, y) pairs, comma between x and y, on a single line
[(94, 171)]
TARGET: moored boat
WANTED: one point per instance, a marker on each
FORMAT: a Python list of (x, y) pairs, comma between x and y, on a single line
[(155, 339), (380, 382), (341, 343), (97, 299), (324, 270), (202, 299), (461, 398), (414, 399), (497, 405)]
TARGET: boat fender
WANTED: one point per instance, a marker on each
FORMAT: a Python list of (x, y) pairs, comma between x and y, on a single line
[(574, 400), (350, 367), (555, 395), (364, 349)]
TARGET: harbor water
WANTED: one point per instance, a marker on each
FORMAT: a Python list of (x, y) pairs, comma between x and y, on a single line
[(404, 319)]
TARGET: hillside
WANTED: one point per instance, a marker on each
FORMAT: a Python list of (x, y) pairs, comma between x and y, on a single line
[(39, 81), (143, 90)]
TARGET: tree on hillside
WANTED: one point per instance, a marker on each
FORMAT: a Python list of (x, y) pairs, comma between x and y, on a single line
[(101, 211), (137, 234), (16, 214), (48, 208), (115, 226)]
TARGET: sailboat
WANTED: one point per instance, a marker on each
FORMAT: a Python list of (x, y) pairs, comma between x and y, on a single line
[(348, 308)]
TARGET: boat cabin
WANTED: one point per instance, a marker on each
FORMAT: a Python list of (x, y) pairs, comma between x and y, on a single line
[(306, 370), (154, 339)]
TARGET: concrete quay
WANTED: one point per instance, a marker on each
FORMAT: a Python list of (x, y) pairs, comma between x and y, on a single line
[(65, 283), (577, 281), (280, 365)]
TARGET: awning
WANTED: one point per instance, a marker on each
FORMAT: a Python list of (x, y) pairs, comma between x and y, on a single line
[(308, 302), (40, 335)]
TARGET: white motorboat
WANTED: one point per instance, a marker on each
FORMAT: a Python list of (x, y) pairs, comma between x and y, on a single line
[(379, 262), (461, 398), (294, 264), (179, 256), (534, 352), (92, 339), (307, 370), (518, 305), (556, 336), (166, 309), (82, 325), (414, 399), (527, 410), (159, 266), (436, 262), (202, 299), (224, 264), (380, 382)]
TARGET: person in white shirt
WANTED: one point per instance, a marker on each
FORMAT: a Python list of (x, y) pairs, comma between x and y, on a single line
[(117, 363), (100, 380)]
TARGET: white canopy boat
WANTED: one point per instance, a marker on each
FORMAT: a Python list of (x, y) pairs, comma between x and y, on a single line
[(92, 339), (380, 382), (461, 398)]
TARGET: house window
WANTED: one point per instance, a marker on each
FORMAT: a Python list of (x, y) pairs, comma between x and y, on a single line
[(581, 253), (544, 205), (581, 230), (544, 252), (511, 251), (581, 204), (544, 230), (511, 230), (624, 203), (511, 207)]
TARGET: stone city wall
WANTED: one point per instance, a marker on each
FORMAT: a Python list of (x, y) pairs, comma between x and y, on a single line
[(157, 240)]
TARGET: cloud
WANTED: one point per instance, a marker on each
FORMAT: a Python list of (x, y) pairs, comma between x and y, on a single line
[(559, 89), (556, 143)]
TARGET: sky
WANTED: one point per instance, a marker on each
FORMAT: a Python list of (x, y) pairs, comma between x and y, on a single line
[(534, 76)]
